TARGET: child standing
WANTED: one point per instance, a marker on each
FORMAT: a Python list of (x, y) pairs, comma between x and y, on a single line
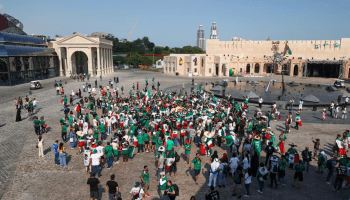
[(324, 113)]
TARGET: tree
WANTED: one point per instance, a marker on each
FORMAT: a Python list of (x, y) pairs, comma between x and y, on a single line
[(158, 50), (134, 60), (145, 41), (146, 61), (118, 58), (166, 48), (150, 46)]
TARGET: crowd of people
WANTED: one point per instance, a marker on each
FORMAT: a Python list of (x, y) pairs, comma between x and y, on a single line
[(105, 126)]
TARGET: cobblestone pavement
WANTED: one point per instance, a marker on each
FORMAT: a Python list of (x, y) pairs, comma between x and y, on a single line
[(23, 175)]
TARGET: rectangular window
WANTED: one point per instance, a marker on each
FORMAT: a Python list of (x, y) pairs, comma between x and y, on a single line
[(209, 70), (195, 69), (240, 70), (188, 69)]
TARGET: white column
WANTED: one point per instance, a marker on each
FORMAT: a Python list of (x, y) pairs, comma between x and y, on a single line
[(99, 60)]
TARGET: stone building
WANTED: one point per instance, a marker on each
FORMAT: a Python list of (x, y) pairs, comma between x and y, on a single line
[(310, 58)]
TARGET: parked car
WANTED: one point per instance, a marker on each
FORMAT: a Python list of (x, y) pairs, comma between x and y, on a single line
[(339, 83), (153, 66), (35, 85)]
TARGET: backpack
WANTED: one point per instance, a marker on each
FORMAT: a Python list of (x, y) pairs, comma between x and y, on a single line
[(176, 188), (177, 157), (236, 178)]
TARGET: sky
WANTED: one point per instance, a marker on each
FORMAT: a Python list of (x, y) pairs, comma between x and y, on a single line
[(174, 23)]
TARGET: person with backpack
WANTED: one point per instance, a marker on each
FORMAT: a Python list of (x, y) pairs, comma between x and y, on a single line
[(322, 159), (269, 152), (330, 165), (172, 191), (223, 171), (262, 176), (238, 179), (299, 168), (273, 170), (214, 170), (341, 176), (213, 195), (282, 170)]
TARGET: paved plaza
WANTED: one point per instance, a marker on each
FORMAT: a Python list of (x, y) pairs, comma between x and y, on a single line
[(23, 175)]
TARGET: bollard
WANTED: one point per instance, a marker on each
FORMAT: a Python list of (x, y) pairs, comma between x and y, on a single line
[(30, 92)]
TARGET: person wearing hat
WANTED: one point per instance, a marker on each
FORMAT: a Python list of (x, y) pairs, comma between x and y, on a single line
[(214, 167), (197, 166), (160, 161), (95, 160), (137, 192), (163, 181)]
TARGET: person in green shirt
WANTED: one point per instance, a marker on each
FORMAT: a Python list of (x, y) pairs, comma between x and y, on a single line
[(140, 142), (292, 151), (169, 144), (257, 145), (145, 179), (162, 184), (299, 168), (42, 122), (37, 126), (64, 132), (229, 140), (197, 166), (102, 128), (108, 150), (250, 127), (146, 138), (70, 120), (282, 170), (187, 152)]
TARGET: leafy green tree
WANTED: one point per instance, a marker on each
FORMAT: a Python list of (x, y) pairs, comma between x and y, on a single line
[(150, 46), (146, 61), (166, 48), (158, 50), (134, 60), (118, 58)]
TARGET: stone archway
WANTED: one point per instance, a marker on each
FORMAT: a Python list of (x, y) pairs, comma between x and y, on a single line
[(257, 68), (247, 69), (296, 70), (79, 63)]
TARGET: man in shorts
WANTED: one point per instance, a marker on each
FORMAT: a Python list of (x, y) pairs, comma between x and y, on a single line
[(87, 159), (197, 166), (93, 183), (299, 168)]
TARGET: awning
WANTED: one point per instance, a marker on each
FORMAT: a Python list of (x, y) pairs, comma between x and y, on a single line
[(311, 98), (251, 95)]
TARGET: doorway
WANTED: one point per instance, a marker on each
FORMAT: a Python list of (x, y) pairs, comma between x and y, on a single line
[(247, 69), (79, 63), (257, 68), (217, 69), (296, 70)]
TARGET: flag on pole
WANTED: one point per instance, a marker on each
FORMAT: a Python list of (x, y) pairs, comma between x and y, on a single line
[(131, 151), (210, 144), (287, 49)]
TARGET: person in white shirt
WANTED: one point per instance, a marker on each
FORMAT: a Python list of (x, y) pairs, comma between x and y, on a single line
[(95, 160), (100, 152), (262, 171), (246, 162), (247, 182), (260, 101), (58, 90), (234, 161), (35, 104), (87, 159), (214, 167), (109, 126), (137, 192)]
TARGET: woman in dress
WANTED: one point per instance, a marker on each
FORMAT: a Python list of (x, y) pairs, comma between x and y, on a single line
[(62, 154), (18, 115), (40, 146)]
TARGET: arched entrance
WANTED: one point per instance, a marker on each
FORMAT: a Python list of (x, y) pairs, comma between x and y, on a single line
[(247, 69), (256, 68), (79, 63), (296, 70), (269, 68)]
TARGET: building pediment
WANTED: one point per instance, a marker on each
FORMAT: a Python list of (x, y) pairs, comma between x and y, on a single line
[(77, 38)]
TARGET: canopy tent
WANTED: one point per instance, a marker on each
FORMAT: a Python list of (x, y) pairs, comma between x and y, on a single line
[(251, 95), (311, 98)]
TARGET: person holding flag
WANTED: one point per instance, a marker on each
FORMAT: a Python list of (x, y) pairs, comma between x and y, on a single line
[(292, 154), (208, 142)]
